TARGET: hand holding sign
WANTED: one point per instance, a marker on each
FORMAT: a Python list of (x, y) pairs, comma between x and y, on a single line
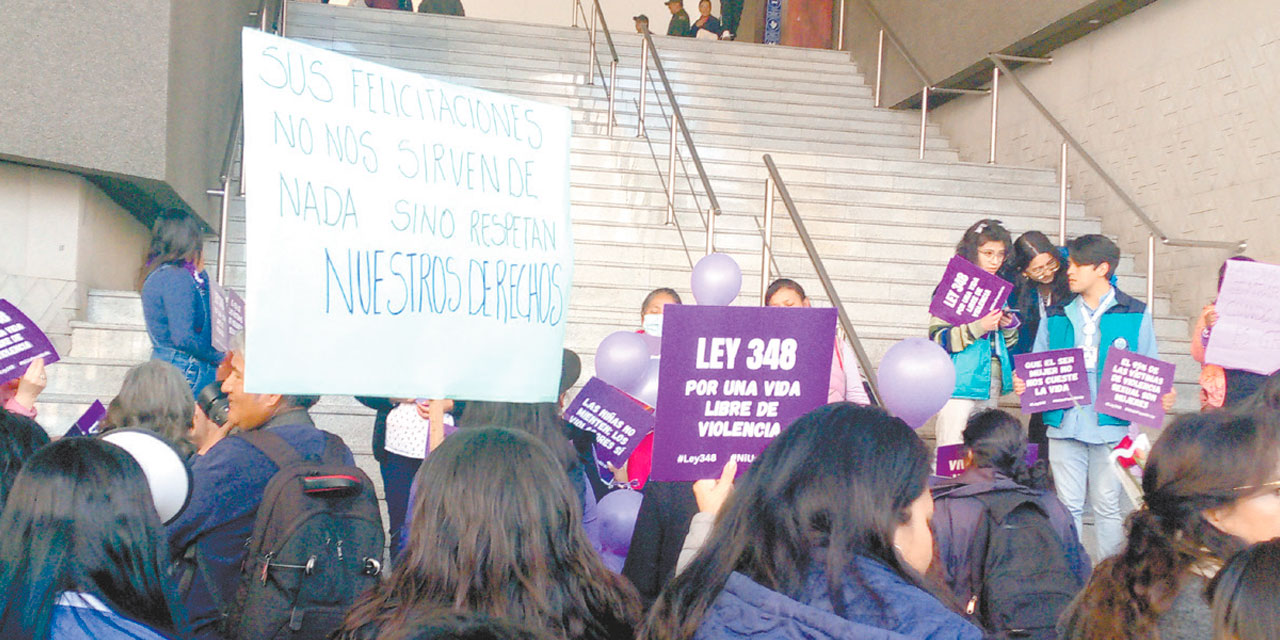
[(1135, 388), (21, 344), (967, 293), (1246, 319), (1051, 380)]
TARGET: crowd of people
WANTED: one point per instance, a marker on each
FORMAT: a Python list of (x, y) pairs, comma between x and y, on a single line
[(840, 529)]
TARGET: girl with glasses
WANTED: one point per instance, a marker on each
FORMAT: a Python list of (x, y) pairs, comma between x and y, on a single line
[(1040, 282)]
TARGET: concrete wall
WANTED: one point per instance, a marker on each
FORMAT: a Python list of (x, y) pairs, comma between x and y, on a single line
[(1177, 102), (142, 91), (944, 36), (62, 236)]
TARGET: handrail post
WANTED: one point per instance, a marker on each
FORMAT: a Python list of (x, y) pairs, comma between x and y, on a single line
[(766, 246), (223, 215), (995, 110), (613, 90), (644, 74), (671, 173), (1151, 273), (573, 11), (924, 117), (1062, 196), (284, 16), (840, 36), (711, 230), (591, 38), (879, 64)]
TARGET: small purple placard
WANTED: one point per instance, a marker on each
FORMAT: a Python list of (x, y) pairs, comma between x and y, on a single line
[(951, 459), (89, 423), (1055, 380), (618, 421), (731, 378), (967, 293), (21, 341), (1132, 387), (226, 311)]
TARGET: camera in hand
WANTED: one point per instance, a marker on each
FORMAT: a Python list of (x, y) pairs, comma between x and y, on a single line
[(213, 402)]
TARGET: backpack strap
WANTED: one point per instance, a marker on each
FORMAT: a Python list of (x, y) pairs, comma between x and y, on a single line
[(275, 448)]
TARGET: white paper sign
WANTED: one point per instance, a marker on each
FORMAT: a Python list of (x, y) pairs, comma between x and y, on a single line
[(1247, 334), (405, 236)]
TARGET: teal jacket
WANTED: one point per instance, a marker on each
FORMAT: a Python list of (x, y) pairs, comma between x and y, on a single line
[(1126, 324), (972, 354)]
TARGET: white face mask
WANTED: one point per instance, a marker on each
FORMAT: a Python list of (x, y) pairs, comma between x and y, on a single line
[(652, 324)]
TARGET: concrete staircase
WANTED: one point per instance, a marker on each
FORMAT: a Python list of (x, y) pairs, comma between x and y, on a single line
[(885, 223)]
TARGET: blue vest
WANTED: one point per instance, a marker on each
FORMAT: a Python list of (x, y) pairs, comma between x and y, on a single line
[(973, 368), (1120, 326)]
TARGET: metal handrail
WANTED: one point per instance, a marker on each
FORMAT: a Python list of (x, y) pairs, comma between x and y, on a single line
[(223, 192), (774, 184), (647, 50), (593, 62)]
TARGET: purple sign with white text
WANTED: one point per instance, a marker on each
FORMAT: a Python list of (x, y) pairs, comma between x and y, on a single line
[(951, 459), (90, 422), (1055, 380), (21, 341), (618, 421), (1133, 386), (731, 379), (226, 315), (967, 293)]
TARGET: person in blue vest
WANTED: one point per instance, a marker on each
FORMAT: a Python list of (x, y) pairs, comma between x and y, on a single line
[(1100, 317), (979, 349)]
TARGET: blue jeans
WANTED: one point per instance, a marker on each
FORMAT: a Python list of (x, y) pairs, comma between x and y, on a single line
[(1081, 469), (197, 372)]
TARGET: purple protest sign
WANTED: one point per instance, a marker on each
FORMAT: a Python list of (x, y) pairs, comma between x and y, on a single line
[(731, 378), (618, 421), (1055, 379), (967, 293), (88, 424), (1132, 387), (951, 459), (1247, 334), (226, 311), (21, 341)]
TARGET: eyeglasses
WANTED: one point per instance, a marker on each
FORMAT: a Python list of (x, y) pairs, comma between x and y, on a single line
[(1274, 485), (1048, 268), (992, 254)]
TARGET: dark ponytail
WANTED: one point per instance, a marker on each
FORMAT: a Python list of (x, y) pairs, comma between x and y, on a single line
[(995, 440), (1199, 463)]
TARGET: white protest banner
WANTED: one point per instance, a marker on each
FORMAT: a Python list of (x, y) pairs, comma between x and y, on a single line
[(405, 237), (1247, 334)]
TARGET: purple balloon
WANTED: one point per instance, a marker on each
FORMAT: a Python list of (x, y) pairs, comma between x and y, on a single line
[(617, 516), (916, 378), (645, 389), (621, 359), (716, 280)]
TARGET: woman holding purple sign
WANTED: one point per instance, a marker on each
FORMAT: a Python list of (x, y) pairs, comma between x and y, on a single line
[(979, 349), (175, 299), (1041, 283)]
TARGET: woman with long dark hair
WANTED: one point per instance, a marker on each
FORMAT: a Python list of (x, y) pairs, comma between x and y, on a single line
[(82, 550), (1246, 595), (175, 299), (497, 530), (826, 536), (1211, 487), (997, 477)]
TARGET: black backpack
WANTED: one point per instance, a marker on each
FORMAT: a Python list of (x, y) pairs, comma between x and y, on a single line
[(1019, 573), (317, 544)]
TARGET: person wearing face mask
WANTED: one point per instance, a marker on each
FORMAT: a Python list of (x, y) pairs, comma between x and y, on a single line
[(846, 375), (979, 349), (1040, 283), (826, 536)]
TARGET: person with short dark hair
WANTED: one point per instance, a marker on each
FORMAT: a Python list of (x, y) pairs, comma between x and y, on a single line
[(826, 536), (1211, 487), (82, 550), (642, 23), (1100, 317), (679, 25), (996, 463), (175, 299), (227, 486), (20, 438), (1246, 595), (497, 530)]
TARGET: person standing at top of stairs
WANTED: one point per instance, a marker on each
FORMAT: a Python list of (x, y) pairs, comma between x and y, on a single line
[(679, 25)]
